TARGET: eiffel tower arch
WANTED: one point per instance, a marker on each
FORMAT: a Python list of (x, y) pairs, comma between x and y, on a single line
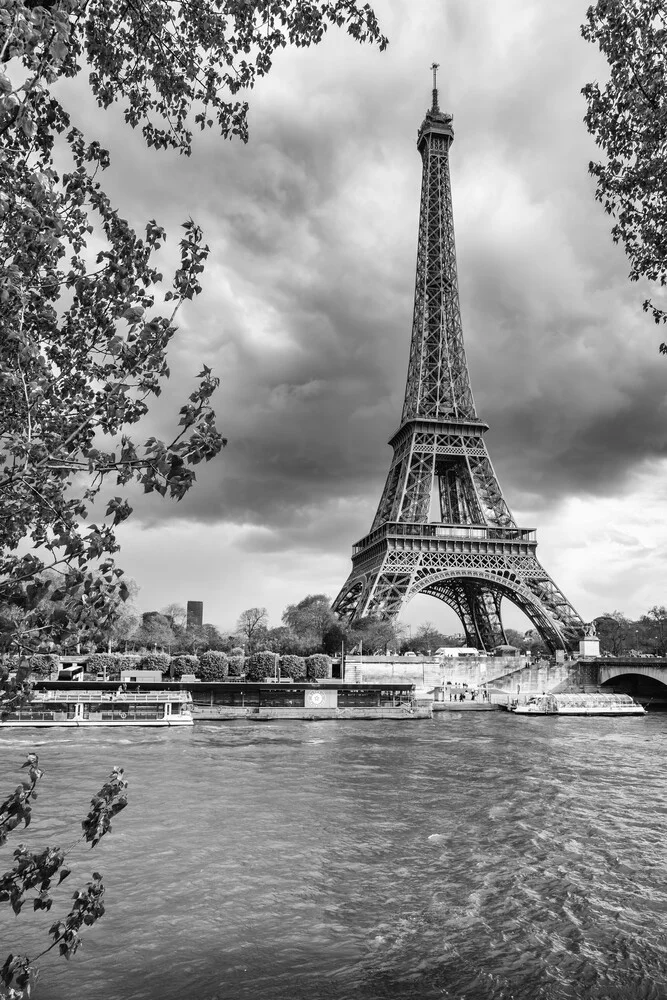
[(471, 554)]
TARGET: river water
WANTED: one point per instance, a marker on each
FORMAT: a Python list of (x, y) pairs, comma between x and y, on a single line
[(477, 855)]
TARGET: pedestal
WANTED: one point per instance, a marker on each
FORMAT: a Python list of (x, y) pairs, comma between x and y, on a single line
[(589, 646)]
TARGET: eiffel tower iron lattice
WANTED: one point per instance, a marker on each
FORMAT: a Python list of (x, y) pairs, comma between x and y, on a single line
[(474, 554)]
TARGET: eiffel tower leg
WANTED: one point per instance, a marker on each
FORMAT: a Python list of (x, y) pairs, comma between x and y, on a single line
[(478, 607), (474, 585), (379, 588)]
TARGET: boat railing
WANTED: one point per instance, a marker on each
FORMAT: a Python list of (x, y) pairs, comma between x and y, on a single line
[(110, 697)]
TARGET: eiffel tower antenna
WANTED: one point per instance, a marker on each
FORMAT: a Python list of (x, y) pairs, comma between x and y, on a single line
[(471, 554), (435, 67)]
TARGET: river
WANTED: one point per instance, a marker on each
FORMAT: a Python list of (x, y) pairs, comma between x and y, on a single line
[(473, 856)]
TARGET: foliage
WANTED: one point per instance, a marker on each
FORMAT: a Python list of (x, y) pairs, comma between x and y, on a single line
[(311, 619), (155, 661), (83, 353), (260, 665), (214, 639), (175, 614), (281, 640), (154, 630), (184, 665), (214, 666), (236, 665), (33, 873), (653, 628), (628, 118), (111, 663), (252, 626), (318, 666), (43, 664), (126, 618), (236, 662), (614, 630), (293, 666), (620, 636), (376, 634)]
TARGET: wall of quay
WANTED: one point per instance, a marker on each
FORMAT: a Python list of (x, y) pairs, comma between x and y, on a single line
[(508, 675)]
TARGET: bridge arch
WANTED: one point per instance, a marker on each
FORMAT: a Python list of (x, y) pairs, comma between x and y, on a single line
[(644, 681)]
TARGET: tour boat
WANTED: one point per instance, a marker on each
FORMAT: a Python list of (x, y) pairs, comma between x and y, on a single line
[(89, 707), (578, 704)]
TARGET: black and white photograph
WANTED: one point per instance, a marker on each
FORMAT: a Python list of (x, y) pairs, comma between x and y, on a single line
[(333, 474)]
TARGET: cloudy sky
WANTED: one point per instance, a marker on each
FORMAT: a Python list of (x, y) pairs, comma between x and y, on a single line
[(307, 307)]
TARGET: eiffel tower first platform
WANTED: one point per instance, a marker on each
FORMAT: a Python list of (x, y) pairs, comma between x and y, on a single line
[(471, 553)]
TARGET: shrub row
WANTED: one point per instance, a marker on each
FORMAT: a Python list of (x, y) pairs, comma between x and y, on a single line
[(210, 666)]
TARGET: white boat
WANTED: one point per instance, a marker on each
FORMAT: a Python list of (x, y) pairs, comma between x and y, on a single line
[(578, 704), (88, 707)]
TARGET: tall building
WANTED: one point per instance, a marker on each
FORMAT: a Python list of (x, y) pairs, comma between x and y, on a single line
[(195, 611), (443, 526)]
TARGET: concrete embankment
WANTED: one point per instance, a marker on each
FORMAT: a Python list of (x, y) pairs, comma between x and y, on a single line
[(506, 675)]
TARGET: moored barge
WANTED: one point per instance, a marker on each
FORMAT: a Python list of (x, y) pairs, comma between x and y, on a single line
[(309, 700)]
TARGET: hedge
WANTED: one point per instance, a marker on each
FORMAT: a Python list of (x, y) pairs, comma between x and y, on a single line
[(318, 666), (236, 665), (293, 666), (112, 662), (214, 666), (155, 661), (185, 664), (260, 665)]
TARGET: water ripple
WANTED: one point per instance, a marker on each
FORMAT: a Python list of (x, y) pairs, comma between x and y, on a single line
[(475, 857)]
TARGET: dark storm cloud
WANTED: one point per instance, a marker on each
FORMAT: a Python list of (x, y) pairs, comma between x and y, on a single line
[(307, 306)]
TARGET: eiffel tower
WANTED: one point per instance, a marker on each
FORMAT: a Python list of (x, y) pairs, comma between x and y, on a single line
[(470, 553)]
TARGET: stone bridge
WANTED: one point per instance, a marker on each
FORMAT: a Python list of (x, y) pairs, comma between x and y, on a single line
[(643, 678)]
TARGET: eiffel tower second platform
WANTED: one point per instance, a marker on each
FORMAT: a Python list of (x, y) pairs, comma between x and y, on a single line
[(442, 526)]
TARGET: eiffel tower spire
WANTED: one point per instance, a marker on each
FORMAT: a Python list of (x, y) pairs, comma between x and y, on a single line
[(470, 552)]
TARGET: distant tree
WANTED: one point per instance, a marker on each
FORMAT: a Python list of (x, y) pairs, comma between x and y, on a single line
[(175, 614), (282, 640), (311, 619), (337, 637), (628, 118), (252, 626), (615, 632), (654, 629), (534, 644), (427, 637), (516, 639), (154, 630), (35, 876), (376, 635), (215, 641), (125, 618)]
